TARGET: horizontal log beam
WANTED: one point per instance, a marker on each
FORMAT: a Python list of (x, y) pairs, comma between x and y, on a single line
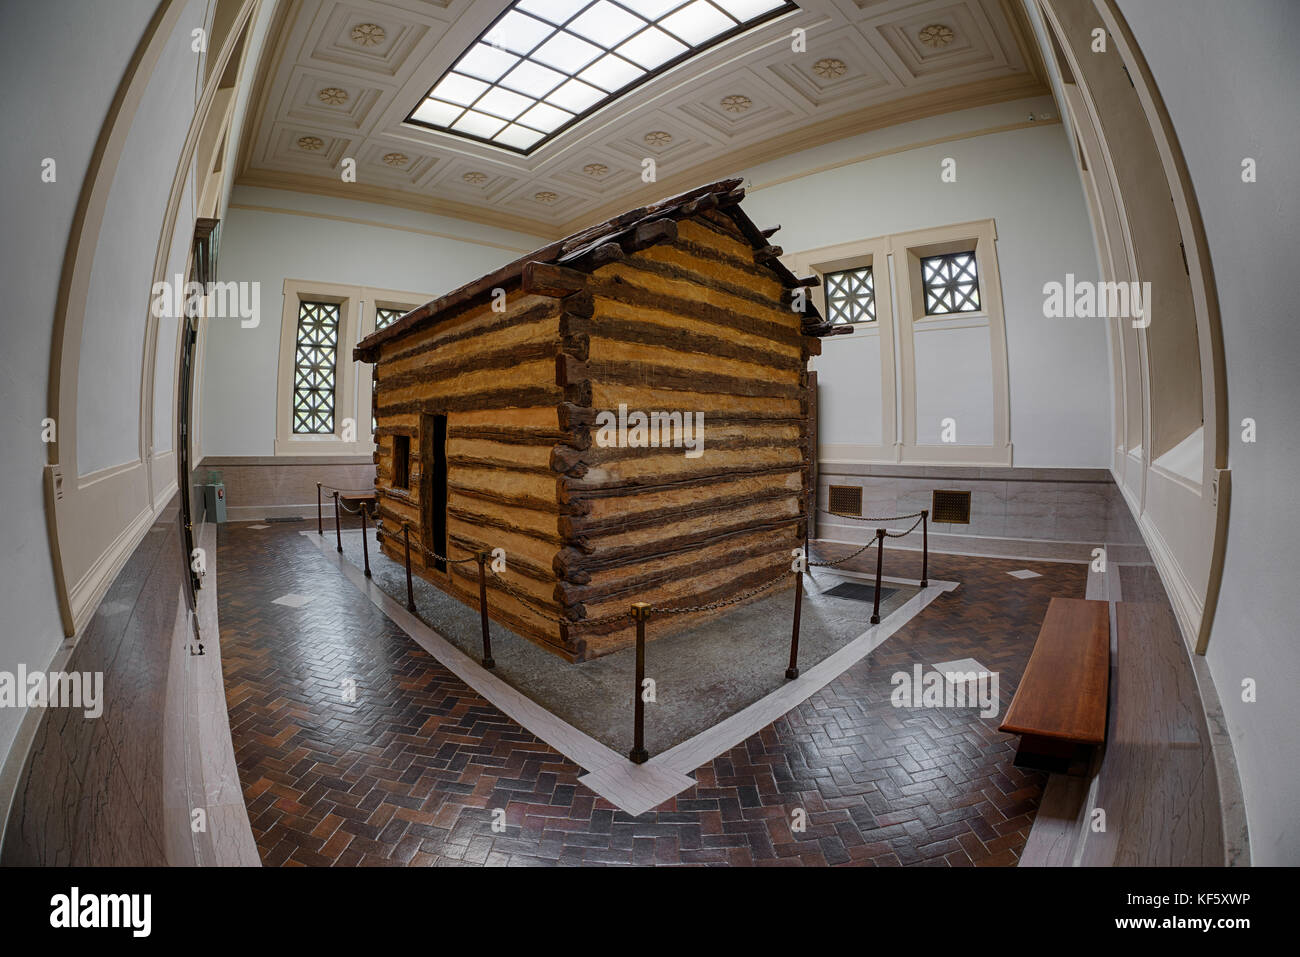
[(493, 399), (546, 279), (569, 560), (571, 490)]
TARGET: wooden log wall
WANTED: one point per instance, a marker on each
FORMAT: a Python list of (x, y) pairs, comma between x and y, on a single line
[(693, 324), (494, 375), (677, 316)]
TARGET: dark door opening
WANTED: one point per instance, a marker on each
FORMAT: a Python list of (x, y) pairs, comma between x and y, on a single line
[(433, 484), (203, 269)]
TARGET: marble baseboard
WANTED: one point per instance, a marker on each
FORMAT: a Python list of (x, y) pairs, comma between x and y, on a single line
[(1070, 505), (282, 486), (976, 546)]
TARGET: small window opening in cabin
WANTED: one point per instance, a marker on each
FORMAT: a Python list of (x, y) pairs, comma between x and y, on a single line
[(401, 461)]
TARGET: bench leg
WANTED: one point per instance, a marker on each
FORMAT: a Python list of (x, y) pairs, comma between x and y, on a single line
[(1037, 753)]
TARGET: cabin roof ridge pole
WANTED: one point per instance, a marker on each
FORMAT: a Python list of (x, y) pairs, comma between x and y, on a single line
[(600, 244)]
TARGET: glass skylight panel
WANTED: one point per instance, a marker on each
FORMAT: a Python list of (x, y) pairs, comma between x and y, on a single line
[(697, 22), (605, 23), (557, 11), (611, 72), (651, 48), (545, 118), (566, 52), (653, 9), (486, 62), (437, 113), (533, 79), (518, 33), (576, 96), (545, 64), (520, 137), (743, 10), (478, 124), (503, 103), (455, 88)]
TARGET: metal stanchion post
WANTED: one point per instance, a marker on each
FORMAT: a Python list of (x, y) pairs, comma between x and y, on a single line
[(488, 661), (638, 755), (365, 545), (880, 553), (793, 670), (338, 525), (925, 547), (410, 591), (320, 518)]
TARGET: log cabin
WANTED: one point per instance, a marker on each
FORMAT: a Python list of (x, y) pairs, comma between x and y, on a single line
[(1089, 145), (495, 407)]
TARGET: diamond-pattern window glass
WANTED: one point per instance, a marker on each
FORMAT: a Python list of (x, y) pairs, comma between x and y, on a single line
[(315, 360), (950, 284), (386, 317), (517, 84), (851, 295)]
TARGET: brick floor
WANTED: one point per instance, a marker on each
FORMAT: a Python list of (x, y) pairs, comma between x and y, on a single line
[(411, 772)]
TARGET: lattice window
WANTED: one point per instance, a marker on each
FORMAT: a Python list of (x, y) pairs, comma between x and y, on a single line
[(315, 360), (851, 295), (386, 317), (951, 284)]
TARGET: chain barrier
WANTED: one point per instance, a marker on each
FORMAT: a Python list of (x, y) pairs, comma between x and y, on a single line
[(902, 534), (531, 602), (868, 518), (346, 491), (721, 603), (423, 550), (841, 561)]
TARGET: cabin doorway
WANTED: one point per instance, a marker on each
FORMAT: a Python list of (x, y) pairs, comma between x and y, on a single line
[(433, 484)]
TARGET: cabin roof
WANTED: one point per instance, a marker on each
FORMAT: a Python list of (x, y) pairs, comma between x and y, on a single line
[(605, 242)]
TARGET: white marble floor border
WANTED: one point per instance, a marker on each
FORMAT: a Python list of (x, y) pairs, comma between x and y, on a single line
[(214, 776), (634, 788)]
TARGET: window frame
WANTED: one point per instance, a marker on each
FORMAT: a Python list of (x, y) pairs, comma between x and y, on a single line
[(925, 287), (853, 255), (896, 259), (353, 380), (825, 288), (339, 306), (979, 236)]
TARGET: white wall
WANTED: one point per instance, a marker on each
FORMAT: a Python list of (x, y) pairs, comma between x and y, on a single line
[(1025, 179), (1225, 71), (108, 415), (50, 111), (390, 249)]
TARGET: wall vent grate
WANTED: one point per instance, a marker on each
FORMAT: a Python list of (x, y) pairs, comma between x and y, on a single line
[(950, 507), (845, 499)]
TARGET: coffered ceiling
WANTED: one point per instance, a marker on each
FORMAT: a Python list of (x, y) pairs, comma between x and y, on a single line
[(340, 77)]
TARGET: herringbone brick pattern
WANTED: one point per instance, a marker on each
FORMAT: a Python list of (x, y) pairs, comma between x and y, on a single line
[(412, 770)]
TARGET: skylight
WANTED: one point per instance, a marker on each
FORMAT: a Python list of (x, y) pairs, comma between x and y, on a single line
[(543, 65)]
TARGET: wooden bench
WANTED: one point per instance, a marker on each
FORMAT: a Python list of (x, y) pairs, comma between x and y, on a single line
[(1059, 708)]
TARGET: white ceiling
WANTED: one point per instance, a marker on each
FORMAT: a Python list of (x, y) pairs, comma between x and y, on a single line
[(340, 76)]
